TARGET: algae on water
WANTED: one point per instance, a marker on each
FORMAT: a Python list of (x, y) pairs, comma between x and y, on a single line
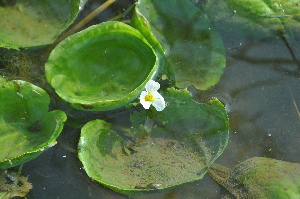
[(13, 185)]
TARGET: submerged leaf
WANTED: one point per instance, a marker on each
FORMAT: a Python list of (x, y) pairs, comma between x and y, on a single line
[(161, 150), (191, 43), (259, 177)]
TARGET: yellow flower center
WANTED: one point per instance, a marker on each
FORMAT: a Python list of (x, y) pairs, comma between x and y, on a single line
[(149, 97)]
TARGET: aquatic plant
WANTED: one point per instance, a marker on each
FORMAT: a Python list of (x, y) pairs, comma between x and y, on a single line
[(169, 138)]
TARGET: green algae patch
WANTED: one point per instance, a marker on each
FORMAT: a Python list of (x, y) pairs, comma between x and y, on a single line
[(26, 126), (13, 184)]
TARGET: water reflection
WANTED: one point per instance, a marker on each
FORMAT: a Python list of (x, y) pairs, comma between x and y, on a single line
[(262, 79)]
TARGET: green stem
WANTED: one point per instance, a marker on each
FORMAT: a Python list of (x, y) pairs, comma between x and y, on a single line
[(85, 20), (20, 170)]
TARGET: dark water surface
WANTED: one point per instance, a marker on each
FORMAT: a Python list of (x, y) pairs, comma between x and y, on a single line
[(260, 88)]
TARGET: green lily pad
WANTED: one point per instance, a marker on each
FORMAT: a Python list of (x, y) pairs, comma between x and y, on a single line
[(26, 126), (30, 23), (102, 67), (259, 177), (161, 150), (191, 43)]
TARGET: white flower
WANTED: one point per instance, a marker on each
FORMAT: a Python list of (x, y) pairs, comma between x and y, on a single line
[(151, 96)]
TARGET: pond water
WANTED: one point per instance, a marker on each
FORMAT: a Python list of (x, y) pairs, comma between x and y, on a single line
[(259, 87)]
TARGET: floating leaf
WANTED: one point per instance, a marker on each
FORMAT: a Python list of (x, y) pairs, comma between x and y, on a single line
[(259, 177), (28, 23), (193, 47), (102, 67), (161, 150), (26, 126)]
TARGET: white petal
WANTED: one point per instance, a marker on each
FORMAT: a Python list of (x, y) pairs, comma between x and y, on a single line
[(152, 86), (159, 101), (143, 95), (146, 104)]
